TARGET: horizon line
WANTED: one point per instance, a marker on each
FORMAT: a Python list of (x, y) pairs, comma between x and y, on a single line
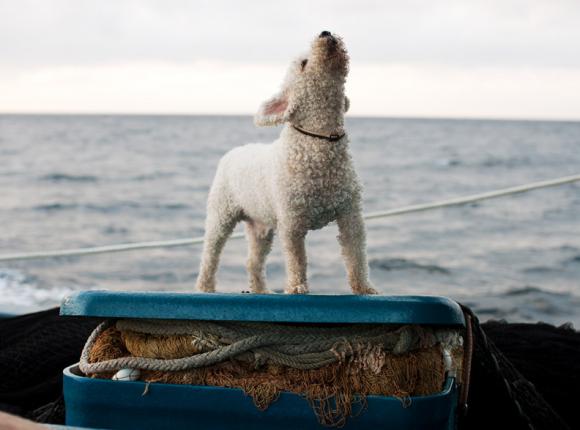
[(355, 116)]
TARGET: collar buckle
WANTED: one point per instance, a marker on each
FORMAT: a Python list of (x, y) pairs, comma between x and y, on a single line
[(333, 137)]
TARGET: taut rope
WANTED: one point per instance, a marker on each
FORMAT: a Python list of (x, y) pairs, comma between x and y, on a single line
[(374, 215)]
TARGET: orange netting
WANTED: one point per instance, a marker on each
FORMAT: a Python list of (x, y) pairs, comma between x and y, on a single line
[(334, 391)]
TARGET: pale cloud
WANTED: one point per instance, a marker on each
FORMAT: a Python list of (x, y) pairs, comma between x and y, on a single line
[(442, 91), (200, 87), (233, 88), (507, 59)]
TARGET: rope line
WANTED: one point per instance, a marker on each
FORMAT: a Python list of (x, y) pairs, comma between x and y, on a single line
[(296, 347), (457, 201)]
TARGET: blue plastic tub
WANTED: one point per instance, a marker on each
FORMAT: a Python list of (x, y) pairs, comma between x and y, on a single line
[(100, 403)]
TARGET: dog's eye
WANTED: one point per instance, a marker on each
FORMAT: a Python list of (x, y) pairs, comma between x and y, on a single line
[(303, 64)]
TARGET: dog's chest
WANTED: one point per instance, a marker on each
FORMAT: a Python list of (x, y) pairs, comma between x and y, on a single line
[(321, 182)]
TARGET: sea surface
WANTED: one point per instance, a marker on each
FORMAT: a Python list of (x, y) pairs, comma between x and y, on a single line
[(81, 181)]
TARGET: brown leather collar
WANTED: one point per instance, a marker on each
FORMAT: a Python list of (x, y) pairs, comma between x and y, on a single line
[(331, 137)]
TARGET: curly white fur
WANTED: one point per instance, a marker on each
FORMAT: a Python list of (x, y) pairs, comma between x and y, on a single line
[(296, 184)]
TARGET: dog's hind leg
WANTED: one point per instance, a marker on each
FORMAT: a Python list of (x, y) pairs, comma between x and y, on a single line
[(219, 225), (260, 240), (353, 241)]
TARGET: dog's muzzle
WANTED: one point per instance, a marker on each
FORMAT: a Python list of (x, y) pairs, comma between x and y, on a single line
[(330, 39)]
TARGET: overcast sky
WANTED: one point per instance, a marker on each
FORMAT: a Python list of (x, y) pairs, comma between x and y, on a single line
[(445, 58)]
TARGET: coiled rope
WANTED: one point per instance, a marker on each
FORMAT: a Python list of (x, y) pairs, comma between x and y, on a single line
[(371, 216), (290, 346)]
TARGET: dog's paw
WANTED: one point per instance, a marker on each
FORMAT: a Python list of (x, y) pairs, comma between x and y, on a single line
[(205, 287), (297, 289), (258, 287), (365, 290)]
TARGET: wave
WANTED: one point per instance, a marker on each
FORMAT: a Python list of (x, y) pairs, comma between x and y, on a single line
[(64, 177), (492, 161), (447, 162), (112, 230), (527, 303), (113, 208), (165, 277), (55, 207), (153, 176), (537, 270), (389, 264), (568, 264), (521, 291), (21, 290)]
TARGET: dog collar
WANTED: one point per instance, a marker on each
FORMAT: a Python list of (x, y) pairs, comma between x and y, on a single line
[(331, 137)]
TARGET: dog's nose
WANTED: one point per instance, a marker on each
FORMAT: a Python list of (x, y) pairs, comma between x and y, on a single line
[(325, 34)]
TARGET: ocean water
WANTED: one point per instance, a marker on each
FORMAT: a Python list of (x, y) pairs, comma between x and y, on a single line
[(78, 181)]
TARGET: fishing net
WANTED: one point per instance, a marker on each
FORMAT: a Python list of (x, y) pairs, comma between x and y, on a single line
[(334, 368), (499, 387), (34, 348)]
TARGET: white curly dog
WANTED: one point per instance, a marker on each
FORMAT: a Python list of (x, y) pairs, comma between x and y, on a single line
[(302, 181)]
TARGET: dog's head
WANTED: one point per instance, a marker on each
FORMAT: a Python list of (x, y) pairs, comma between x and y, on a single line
[(313, 92)]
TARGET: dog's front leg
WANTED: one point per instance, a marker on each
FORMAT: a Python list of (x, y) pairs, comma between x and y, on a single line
[(352, 239), (295, 250)]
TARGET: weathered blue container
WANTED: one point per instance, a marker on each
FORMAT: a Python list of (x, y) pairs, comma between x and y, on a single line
[(99, 403)]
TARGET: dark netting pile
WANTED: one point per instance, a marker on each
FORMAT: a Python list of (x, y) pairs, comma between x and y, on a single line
[(34, 349)]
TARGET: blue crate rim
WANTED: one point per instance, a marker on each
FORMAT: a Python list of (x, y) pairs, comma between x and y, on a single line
[(428, 310)]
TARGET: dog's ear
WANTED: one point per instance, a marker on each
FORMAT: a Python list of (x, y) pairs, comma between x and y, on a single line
[(273, 111), (346, 104)]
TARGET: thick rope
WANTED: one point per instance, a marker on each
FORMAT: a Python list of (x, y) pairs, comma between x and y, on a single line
[(299, 347), (311, 339), (374, 215)]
